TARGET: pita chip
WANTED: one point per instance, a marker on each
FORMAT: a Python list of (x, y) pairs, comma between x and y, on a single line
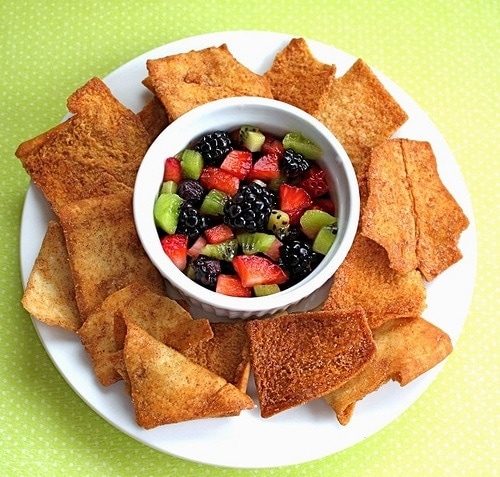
[(166, 387), (298, 78), (50, 294), (186, 80), (365, 278), (96, 151), (406, 348), (359, 110), (104, 250)]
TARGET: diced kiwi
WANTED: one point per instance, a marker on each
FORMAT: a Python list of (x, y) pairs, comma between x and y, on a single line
[(213, 202), (325, 239), (264, 290), (222, 251), (279, 223), (166, 211), (300, 143), (313, 220), (252, 138), (191, 164), (252, 243), (168, 187)]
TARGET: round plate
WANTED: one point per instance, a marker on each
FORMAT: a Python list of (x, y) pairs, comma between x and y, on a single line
[(304, 433)]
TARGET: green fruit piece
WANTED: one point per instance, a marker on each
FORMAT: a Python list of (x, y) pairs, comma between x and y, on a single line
[(168, 187), (300, 143), (252, 138), (191, 164), (166, 211), (221, 251), (313, 220), (279, 223), (213, 202), (264, 290), (252, 243), (325, 238)]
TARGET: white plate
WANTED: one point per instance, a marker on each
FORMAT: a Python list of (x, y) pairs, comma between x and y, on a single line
[(307, 432)]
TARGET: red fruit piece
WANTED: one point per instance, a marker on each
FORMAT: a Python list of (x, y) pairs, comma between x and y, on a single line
[(219, 233), (273, 252), (216, 178), (257, 270), (195, 249), (325, 204), (314, 182), (173, 170), (238, 163), (231, 285), (293, 200), (265, 169), (176, 247), (272, 146)]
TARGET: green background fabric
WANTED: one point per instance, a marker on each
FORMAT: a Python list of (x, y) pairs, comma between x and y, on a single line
[(443, 53)]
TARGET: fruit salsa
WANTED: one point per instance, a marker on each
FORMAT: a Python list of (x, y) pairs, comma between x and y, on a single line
[(246, 213)]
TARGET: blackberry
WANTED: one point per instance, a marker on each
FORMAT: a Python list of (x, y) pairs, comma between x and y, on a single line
[(190, 222), (298, 259), (206, 271), (249, 208), (191, 191), (293, 163), (214, 147)]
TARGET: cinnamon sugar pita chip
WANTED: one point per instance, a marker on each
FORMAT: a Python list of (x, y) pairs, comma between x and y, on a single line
[(439, 218), (166, 387), (406, 348), (366, 279), (388, 216), (298, 78), (104, 250), (97, 151), (186, 80), (98, 333), (50, 294), (226, 354), (360, 111)]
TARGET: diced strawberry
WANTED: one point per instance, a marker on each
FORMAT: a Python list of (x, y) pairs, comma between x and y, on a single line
[(273, 252), (272, 146), (219, 233), (293, 200), (238, 163), (176, 246), (216, 178), (231, 285), (257, 270), (195, 249), (172, 170), (265, 169), (325, 204), (314, 182)]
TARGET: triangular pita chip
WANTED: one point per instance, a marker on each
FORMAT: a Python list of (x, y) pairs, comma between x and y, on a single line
[(226, 354), (406, 348), (98, 333), (50, 294), (167, 387)]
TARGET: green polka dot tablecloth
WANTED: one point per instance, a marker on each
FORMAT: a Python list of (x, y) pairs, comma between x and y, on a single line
[(444, 54)]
